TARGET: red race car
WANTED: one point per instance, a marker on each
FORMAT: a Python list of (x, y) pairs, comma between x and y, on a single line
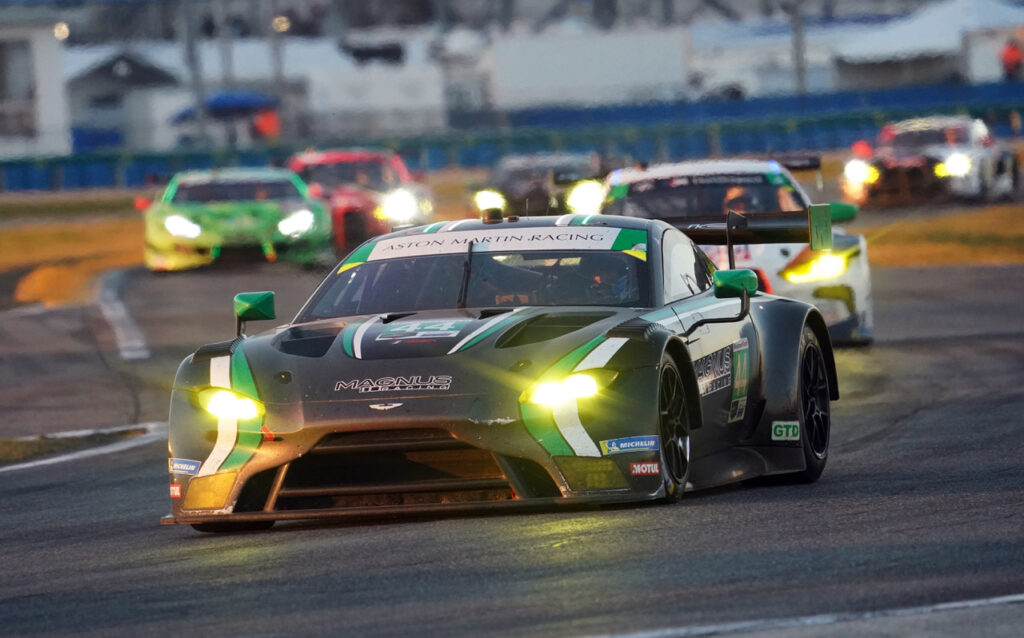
[(369, 192)]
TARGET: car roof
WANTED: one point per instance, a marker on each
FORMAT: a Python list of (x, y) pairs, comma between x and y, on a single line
[(931, 122), (233, 174), (569, 222), (338, 156), (696, 167)]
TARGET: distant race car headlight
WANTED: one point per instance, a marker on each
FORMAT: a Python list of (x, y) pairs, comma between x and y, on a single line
[(399, 206), (488, 199), (225, 404), (956, 165), (181, 226), (585, 197), (807, 268), (296, 223), (860, 172), (575, 386)]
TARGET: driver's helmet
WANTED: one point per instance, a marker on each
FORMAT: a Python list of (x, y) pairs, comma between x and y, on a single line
[(738, 199), (607, 278)]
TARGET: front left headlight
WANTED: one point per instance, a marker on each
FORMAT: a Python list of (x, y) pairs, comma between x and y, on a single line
[(297, 223), (956, 165), (399, 206), (585, 197), (225, 404), (579, 385), (181, 226)]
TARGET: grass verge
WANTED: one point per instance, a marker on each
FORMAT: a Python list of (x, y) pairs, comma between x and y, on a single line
[(18, 450)]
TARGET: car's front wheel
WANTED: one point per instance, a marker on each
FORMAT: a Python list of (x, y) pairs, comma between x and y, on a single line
[(674, 427), (815, 409)]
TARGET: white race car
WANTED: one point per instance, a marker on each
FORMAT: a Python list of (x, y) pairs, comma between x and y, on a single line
[(837, 282), (930, 158)]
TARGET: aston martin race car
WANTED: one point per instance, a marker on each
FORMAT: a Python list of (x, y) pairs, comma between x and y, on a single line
[(930, 158), (370, 192), (838, 282), (253, 213), (544, 184), (538, 362)]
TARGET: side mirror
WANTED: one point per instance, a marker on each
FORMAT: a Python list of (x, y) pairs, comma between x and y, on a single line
[(842, 211), (141, 204), (316, 191), (730, 284), (252, 306)]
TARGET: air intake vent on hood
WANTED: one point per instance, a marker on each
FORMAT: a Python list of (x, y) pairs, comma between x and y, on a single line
[(308, 341), (548, 326)]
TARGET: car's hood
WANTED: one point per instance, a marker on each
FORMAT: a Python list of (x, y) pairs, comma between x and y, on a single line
[(937, 152), (218, 211), (457, 351)]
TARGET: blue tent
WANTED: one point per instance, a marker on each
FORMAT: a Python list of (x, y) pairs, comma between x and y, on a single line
[(228, 104)]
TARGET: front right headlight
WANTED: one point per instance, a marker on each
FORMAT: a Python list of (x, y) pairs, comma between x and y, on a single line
[(858, 171), (225, 404), (578, 385)]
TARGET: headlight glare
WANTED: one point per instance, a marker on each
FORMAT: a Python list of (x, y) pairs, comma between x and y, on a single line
[(860, 172), (579, 385), (226, 404), (956, 165), (824, 266), (585, 197), (296, 223), (181, 226), (399, 206), (489, 199)]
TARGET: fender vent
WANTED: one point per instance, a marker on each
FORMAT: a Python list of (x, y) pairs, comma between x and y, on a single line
[(306, 341), (211, 350)]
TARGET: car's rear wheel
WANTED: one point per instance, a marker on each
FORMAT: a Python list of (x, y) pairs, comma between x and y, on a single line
[(815, 409), (674, 427), (229, 527)]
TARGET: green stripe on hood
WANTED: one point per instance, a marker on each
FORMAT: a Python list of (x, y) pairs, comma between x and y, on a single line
[(249, 434)]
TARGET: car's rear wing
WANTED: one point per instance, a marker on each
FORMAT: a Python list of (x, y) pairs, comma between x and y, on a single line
[(812, 226)]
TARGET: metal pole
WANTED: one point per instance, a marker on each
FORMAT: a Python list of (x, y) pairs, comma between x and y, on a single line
[(277, 63), (224, 41), (194, 68), (796, 21)]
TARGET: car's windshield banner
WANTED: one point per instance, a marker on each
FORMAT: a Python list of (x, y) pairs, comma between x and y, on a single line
[(510, 240)]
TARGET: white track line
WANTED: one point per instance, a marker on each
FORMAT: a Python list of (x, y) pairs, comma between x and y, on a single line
[(817, 621), (131, 343), (155, 431), (25, 311)]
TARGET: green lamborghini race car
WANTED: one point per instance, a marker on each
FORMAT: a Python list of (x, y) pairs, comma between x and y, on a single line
[(537, 361), (255, 213)]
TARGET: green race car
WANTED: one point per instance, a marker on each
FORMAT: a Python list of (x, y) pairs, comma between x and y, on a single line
[(258, 213)]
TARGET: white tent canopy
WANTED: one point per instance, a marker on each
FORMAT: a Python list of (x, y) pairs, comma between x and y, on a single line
[(936, 30)]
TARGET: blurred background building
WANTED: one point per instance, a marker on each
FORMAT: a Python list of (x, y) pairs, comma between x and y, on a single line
[(160, 75)]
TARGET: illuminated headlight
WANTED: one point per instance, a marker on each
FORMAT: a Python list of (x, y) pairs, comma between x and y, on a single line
[(489, 199), (576, 386), (225, 404), (824, 266), (296, 223), (585, 197), (956, 165), (399, 206), (180, 226), (860, 172)]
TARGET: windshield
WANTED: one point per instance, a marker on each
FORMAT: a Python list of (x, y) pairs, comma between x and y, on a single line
[(705, 195), (927, 137), (534, 278), (374, 175), (241, 190), (540, 169)]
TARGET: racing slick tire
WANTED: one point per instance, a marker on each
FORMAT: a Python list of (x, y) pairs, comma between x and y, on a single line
[(815, 409), (674, 429), (230, 527)]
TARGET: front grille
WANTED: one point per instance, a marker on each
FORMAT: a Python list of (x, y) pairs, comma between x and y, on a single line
[(389, 468)]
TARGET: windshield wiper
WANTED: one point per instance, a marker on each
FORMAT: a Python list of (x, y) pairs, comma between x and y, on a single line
[(467, 268)]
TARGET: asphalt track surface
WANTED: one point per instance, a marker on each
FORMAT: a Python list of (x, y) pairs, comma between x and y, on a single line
[(922, 503)]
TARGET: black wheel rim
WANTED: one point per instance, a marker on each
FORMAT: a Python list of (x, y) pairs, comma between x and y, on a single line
[(814, 391), (675, 433)]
